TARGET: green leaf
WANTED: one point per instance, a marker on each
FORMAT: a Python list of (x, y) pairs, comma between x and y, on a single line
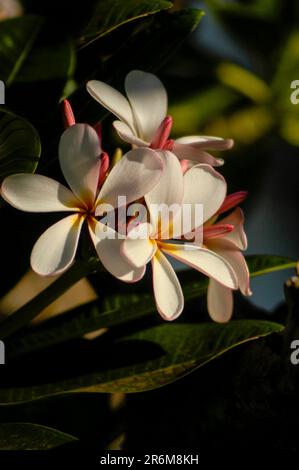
[(48, 62), (19, 143), (140, 361), (111, 14), (27, 436), (266, 264), (147, 47), (117, 309), (16, 39)]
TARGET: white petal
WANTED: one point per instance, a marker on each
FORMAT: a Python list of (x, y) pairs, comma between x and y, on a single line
[(167, 290), (238, 235), (188, 152), (55, 250), (138, 248), (37, 193), (112, 100), (127, 135), (220, 302), (168, 192), (148, 99), (233, 255), (203, 185), (109, 252), (136, 173), (79, 156), (206, 261), (207, 142)]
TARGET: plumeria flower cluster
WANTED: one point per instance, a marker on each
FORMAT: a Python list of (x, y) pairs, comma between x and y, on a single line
[(157, 172)]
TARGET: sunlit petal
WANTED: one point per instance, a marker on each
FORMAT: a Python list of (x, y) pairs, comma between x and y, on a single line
[(220, 302), (79, 156), (37, 193), (55, 250), (167, 290), (112, 100), (135, 175), (204, 260), (148, 99), (109, 252)]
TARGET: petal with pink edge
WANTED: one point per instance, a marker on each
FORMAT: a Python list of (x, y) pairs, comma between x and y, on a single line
[(134, 176), (235, 258), (37, 193), (204, 260), (79, 156), (237, 236), (166, 197), (109, 252), (167, 289), (207, 142), (138, 248), (55, 250), (220, 302), (148, 99), (188, 152), (112, 100), (127, 135), (203, 185)]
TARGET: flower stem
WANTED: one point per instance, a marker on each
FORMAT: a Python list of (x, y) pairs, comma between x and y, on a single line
[(32, 308)]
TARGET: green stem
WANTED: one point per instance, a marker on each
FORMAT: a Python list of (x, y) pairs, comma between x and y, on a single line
[(32, 308)]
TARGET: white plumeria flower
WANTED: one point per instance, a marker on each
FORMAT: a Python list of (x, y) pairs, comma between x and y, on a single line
[(227, 238), (143, 120), (80, 159), (201, 184)]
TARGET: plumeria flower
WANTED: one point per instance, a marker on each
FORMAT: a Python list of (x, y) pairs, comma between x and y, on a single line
[(227, 238), (143, 120), (84, 167), (148, 242)]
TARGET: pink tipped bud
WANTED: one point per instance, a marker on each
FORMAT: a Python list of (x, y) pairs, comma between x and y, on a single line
[(162, 133), (217, 231), (233, 200), (68, 115), (104, 167), (98, 128)]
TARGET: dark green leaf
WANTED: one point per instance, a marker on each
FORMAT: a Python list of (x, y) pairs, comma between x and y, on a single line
[(16, 38), (49, 63), (19, 143), (117, 309), (140, 361), (111, 14), (27, 436), (266, 264), (148, 47)]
